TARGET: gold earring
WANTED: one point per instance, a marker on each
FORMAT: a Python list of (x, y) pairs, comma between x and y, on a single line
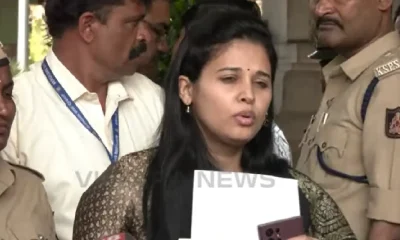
[(266, 121), (188, 109)]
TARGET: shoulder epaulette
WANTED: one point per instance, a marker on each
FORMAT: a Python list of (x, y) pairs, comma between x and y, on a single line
[(38, 174), (387, 64)]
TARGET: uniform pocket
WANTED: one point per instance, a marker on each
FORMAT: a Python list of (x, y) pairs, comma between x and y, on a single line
[(28, 230), (341, 152), (332, 142), (25, 230)]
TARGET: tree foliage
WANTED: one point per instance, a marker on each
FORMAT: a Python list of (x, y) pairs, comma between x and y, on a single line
[(39, 41)]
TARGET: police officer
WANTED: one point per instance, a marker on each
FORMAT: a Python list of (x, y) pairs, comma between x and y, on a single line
[(352, 145), (25, 213)]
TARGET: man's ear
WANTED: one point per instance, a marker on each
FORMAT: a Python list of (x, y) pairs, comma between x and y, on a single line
[(87, 25), (385, 5), (185, 90)]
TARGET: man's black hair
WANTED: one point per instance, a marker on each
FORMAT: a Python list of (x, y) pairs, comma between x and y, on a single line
[(64, 14)]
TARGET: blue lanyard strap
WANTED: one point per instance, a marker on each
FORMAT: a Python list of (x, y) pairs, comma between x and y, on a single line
[(78, 114)]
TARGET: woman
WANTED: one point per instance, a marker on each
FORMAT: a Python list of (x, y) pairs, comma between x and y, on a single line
[(196, 15), (25, 212), (218, 90)]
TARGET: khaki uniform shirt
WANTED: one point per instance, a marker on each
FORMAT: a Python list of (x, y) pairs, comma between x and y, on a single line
[(358, 148), (25, 212)]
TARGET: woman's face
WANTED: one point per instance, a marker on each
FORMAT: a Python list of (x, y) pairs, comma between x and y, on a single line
[(232, 95)]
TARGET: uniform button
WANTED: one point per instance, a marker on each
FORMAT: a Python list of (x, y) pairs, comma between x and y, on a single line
[(41, 237), (329, 102), (324, 145)]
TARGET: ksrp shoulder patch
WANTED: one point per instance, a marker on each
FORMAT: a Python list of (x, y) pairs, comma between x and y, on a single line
[(388, 67), (392, 126)]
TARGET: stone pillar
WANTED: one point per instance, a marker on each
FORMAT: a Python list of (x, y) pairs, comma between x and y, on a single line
[(297, 90), (275, 11)]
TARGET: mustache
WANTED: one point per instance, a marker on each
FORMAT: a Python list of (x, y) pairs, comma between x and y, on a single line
[(138, 50), (329, 20)]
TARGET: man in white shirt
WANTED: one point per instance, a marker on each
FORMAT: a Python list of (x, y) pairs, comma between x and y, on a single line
[(83, 107)]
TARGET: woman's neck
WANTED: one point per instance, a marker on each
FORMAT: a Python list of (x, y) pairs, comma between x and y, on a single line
[(226, 158)]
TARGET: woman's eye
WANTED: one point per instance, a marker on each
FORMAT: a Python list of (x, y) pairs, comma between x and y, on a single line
[(228, 79), (262, 84)]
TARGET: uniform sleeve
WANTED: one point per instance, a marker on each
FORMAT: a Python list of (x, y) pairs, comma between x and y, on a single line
[(381, 150), (105, 208), (11, 152), (44, 214)]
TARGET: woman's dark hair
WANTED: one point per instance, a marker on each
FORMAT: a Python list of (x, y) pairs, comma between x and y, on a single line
[(204, 7), (167, 199)]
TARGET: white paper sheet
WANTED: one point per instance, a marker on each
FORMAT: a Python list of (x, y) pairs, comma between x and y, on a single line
[(230, 206)]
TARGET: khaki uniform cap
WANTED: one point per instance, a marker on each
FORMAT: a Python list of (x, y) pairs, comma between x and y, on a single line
[(2, 53), (3, 57)]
